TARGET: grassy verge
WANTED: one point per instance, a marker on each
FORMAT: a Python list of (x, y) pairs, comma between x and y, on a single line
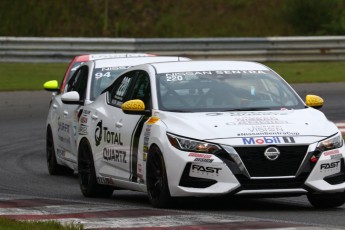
[(31, 76), (24, 225), (306, 72)]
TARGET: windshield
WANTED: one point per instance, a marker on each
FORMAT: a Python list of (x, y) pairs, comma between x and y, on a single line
[(224, 90), (103, 77)]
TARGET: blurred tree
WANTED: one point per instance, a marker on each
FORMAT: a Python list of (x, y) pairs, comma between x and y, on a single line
[(316, 17)]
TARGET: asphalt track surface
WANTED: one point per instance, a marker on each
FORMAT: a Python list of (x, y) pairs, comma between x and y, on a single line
[(28, 192)]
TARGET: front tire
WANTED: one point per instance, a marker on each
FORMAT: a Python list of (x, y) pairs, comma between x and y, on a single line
[(87, 174), (157, 182), (325, 201), (53, 167)]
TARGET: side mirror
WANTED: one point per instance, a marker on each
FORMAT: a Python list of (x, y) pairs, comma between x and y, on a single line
[(71, 98), (314, 101), (136, 107), (52, 85)]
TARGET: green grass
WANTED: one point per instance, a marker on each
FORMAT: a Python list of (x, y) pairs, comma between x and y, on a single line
[(8, 224), (306, 72), (31, 76)]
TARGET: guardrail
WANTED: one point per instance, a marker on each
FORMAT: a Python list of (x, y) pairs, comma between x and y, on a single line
[(44, 49)]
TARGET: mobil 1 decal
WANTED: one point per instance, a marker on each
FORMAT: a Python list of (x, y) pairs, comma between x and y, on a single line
[(267, 140)]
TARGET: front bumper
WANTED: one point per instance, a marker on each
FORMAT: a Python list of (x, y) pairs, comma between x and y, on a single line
[(245, 171)]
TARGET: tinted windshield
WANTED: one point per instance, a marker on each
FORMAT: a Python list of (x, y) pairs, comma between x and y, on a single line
[(102, 77), (224, 91)]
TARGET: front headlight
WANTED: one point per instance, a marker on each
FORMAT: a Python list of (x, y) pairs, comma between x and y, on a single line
[(331, 143), (186, 144)]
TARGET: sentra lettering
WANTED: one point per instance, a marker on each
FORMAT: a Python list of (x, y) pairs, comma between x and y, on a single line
[(240, 72), (112, 137), (267, 140), (204, 169), (329, 165), (112, 154)]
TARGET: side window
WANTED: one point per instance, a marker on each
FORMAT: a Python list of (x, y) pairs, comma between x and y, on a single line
[(141, 89), (78, 82), (118, 91)]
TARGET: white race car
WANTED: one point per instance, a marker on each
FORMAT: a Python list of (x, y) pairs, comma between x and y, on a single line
[(208, 128), (64, 120)]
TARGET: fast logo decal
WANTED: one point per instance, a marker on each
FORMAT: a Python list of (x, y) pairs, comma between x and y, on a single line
[(267, 140), (329, 166), (205, 169)]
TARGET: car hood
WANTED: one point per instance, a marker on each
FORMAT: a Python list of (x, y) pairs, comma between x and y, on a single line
[(306, 125)]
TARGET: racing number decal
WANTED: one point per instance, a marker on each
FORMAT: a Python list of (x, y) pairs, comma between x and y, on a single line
[(134, 148)]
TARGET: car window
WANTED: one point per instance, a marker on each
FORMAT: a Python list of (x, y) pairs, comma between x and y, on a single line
[(225, 90), (117, 92), (103, 77), (141, 89), (78, 82), (68, 75)]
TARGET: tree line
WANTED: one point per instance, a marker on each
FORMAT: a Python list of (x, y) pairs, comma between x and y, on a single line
[(171, 18)]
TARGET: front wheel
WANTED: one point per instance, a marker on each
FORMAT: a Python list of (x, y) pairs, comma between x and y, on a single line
[(87, 174), (157, 182), (327, 200)]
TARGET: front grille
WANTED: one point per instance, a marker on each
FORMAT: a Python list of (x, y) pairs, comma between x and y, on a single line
[(258, 165)]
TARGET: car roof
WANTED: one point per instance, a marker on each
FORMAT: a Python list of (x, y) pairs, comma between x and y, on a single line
[(169, 67), (89, 57), (136, 61)]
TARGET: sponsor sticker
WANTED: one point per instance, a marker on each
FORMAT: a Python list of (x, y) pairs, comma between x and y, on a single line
[(203, 170), (203, 160), (108, 136), (331, 152), (200, 155), (267, 130), (115, 155), (152, 120), (330, 166), (267, 140), (257, 121)]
